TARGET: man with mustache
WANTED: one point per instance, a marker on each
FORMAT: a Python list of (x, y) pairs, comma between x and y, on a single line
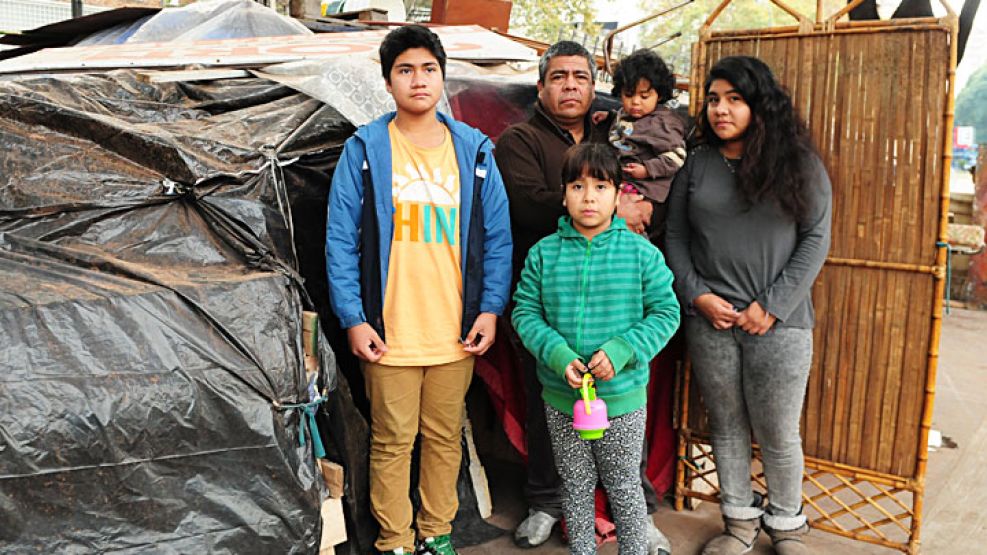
[(529, 155)]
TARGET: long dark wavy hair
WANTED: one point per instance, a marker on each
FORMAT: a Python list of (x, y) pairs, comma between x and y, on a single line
[(777, 149)]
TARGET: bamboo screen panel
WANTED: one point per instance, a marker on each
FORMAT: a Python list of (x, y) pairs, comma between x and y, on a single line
[(874, 103)]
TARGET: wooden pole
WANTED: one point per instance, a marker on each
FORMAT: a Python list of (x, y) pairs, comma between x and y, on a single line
[(846, 9), (849, 27), (879, 265), (704, 28), (938, 300), (684, 440)]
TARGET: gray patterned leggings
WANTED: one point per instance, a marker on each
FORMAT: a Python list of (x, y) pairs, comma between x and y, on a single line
[(615, 459), (754, 383)]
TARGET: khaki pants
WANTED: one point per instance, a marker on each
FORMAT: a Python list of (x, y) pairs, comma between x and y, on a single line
[(403, 401)]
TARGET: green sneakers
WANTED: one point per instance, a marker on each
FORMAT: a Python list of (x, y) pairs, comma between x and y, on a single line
[(439, 545)]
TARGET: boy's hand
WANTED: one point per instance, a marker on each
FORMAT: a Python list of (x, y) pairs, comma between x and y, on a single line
[(601, 367), (717, 310), (481, 336), (635, 170), (365, 343), (755, 320), (574, 373), (599, 116)]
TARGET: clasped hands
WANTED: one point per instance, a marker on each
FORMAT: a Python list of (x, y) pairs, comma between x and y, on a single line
[(599, 365), (753, 319)]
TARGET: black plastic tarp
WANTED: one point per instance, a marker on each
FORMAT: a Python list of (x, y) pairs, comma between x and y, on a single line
[(153, 239), (150, 341)]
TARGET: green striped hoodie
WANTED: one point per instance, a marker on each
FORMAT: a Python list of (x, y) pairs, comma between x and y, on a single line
[(577, 296)]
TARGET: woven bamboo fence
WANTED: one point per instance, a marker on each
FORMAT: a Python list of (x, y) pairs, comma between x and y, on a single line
[(877, 97)]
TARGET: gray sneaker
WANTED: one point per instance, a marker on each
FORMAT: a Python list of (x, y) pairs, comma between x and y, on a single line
[(534, 530), (658, 544)]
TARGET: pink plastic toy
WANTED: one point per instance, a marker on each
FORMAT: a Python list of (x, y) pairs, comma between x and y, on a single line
[(589, 414)]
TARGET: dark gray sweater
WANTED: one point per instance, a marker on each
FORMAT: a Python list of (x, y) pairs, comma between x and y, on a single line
[(715, 243)]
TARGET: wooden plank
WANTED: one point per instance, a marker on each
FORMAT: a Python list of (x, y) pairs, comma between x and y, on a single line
[(333, 526), (811, 411), (827, 392), (899, 133), (875, 377), (478, 476), (897, 311), (334, 478), (310, 333), (919, 315), (858, 348), (844, 377)]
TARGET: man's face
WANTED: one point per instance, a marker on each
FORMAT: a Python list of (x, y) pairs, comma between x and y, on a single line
[(416, 81), (567, 91)]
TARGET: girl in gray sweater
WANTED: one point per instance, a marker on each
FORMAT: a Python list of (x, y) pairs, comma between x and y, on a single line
[(748, 232)]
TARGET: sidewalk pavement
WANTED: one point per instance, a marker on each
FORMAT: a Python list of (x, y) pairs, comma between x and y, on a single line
[(954, 521)]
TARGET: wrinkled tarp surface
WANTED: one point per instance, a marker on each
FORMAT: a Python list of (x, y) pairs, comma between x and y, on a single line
[(118, 191), (206, 20), (150, 339), (144, 224)]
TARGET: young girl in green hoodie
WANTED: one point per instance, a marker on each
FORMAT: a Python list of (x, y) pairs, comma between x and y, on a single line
[(595, 297)]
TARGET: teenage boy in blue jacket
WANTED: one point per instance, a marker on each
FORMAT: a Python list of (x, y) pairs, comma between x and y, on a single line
[(418, 252)]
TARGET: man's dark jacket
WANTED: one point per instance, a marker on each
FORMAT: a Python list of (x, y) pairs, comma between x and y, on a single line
[(529, 155)]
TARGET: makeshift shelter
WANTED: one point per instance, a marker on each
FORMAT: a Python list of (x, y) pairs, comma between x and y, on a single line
[(189, 186), (154, 391), (877, 97)]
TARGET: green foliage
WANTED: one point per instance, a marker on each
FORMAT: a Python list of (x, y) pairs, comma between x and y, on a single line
[(545, 20), (741, 14), (971, 104)]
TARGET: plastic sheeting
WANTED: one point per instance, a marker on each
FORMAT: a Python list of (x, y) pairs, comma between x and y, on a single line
[(146, 277), (117, 34), (207, 20), (150, 335), (351, 84)]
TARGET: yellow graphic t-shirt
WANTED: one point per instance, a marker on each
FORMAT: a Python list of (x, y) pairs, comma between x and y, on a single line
[(423, 301)]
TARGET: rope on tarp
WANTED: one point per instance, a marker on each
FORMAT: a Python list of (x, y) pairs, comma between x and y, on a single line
[(307, 420), (281, 190)]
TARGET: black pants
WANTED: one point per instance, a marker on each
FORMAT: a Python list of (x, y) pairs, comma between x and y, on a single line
[(542, 490)]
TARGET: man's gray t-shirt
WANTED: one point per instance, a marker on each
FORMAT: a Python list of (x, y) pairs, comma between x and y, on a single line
[(717, 243)]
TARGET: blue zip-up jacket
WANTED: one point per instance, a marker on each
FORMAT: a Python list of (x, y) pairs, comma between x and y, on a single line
[(360, 226)]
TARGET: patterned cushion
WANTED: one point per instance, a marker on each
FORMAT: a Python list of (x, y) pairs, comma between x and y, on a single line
[(971, 236)]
